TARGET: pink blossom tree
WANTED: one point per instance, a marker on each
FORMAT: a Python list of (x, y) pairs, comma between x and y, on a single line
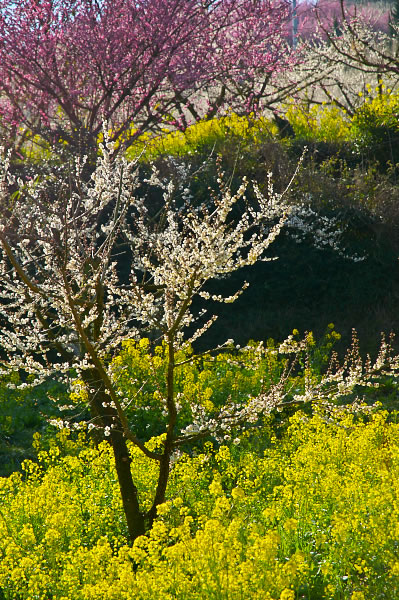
[(66, 66)]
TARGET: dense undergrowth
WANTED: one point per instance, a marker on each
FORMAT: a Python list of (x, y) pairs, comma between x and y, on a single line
[(304, 507), (309, 514)]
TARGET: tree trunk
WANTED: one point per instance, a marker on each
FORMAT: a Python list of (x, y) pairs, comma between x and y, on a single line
[(105, 415), (163, 478)]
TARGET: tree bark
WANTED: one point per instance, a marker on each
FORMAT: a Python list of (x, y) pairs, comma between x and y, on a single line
[(105, 415)]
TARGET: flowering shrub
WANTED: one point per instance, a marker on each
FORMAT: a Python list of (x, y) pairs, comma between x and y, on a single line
[(69, 308), (205, 134), (367, 126), (318, 123), (375, 127)]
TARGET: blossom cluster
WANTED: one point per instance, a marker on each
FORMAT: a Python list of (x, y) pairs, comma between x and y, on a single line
[(65, 296)]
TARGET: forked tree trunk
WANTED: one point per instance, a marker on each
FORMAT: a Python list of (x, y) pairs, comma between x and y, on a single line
[(105, 415)]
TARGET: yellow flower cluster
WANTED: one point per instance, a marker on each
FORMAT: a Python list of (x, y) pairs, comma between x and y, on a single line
[(204, 133), (326, 123), (313, 514), (321, 123)]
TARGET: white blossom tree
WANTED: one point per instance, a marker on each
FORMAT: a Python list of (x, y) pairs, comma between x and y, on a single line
[(65, 305), (65, 308), (345, 54), (358, 55)]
